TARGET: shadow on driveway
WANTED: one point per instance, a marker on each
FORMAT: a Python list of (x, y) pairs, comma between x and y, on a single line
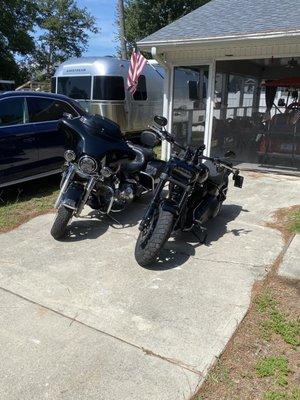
[(96, 224), (176, 251), (182, 245)]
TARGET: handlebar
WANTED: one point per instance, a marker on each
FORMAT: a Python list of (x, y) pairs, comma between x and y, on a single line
[(164, 134)]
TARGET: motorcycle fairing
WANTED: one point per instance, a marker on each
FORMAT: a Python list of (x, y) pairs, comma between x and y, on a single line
[(97, 137)]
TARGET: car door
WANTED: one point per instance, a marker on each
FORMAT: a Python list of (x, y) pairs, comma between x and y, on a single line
[(18, 147), (45, 113)]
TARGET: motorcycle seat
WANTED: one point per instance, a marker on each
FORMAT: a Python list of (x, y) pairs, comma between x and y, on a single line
[(143, 155)]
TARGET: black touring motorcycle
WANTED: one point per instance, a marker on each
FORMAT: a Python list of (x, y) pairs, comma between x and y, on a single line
[(102, 170), (194, 195)]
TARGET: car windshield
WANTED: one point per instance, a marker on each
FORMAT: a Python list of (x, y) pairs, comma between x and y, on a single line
[(76, 87)]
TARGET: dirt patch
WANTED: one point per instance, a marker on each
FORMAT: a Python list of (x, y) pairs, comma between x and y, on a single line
[(235, 374), (261, 361), (282, 219)]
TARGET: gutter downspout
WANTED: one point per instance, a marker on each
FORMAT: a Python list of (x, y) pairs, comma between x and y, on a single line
[(167, 98)]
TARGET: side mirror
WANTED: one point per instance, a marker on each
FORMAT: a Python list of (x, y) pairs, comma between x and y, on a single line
[(149, 139), (281, 103), (230, 154), (161, 121), (238, 181)]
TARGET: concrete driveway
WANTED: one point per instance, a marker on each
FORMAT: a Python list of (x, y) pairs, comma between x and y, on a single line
[(81, 320)]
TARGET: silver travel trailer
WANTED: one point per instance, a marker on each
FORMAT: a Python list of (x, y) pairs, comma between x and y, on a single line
[(6, 86), (99, 84)]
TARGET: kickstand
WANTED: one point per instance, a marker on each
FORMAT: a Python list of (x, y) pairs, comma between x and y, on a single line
[(203, 231)]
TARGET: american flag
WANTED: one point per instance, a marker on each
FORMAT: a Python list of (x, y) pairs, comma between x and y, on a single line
[(137, 63)]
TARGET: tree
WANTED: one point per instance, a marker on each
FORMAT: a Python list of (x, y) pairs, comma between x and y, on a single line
[(65, 29), (121, 23), (17, 18), (143, 17)]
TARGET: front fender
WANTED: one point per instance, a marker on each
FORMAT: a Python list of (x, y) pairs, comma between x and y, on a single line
[(73, 196), (169, 205)]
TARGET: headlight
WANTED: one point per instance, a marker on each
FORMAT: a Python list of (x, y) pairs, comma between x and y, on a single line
[(69, 155), (88, 165)]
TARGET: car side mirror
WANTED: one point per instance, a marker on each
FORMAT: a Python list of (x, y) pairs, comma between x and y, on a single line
[(281, 103), (230, 154), (161, 121), (149, 139)]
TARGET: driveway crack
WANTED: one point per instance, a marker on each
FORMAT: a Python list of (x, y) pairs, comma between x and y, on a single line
[(74, 319)]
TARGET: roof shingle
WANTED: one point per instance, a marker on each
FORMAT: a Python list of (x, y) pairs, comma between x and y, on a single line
[(220, 18)]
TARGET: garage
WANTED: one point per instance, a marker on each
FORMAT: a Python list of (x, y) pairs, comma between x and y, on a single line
[(241, 69)]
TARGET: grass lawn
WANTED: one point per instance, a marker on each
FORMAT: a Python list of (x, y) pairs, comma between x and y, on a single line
[(262, 360), (22, 202), (295, 221)]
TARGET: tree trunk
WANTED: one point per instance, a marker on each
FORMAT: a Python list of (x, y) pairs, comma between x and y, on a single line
[(122, 29)]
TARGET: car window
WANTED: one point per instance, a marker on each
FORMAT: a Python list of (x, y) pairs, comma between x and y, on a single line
[(12, 111), (42, 109), (141, 90)]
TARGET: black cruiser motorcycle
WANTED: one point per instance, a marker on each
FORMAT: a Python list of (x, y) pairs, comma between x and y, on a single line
[(102, 169), (193, 196)]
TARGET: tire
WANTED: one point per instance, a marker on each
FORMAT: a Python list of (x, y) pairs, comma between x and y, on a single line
[(150, 243), (59, 227)]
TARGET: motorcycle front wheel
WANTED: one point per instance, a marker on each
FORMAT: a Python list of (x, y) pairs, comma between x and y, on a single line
[(152, 239), (59, 227)]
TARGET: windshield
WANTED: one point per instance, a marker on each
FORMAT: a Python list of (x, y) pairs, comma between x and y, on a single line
[(76, 87)]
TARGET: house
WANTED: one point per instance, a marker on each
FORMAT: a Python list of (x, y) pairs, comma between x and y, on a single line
[(246, 97)]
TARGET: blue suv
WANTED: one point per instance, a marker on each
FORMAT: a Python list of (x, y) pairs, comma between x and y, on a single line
[(32, 143)]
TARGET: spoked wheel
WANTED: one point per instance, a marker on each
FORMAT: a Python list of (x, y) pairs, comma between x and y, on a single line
[(62, 219), (152, 239)]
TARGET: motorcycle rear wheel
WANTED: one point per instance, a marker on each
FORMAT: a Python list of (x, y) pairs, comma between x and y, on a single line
[(151, 241), (59, 227)]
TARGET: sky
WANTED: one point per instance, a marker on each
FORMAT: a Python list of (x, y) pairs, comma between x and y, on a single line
[(103, 43)]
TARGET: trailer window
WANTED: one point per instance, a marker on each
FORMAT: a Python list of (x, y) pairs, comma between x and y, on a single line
[(77, 87), (141, 91), (6, 86), (108, 88), (53, 84)]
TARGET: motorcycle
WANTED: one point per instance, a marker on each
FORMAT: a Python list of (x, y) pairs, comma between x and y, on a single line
[(102, 169), (193, 196)]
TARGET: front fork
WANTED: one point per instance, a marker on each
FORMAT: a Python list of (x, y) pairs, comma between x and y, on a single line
[(66, 183), (169, 205), (68, 178), (154, 202), (87, 193)]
